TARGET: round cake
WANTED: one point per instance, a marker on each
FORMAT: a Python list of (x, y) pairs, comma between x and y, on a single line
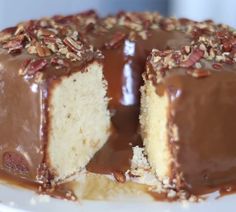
[(72, 88)]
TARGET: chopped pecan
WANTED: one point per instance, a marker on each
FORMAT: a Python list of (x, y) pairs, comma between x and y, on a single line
[(20, 29), (46, 33), (228, 44), (42, 50), (199, 73), (59, 62), (51, 43), (14, 45), (119, 176), (32, 49), (217, 66), (194, 57), (31, 66), (72, 44), (22, 70), (5, 36)]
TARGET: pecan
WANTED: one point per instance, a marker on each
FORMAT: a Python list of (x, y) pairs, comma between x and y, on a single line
[(31, 50), (13, 46), (20, 29), (199, 73), (22, 70), (45, 33), (72, 56), (119, 176), (59, 62), (216, 65), (72, 44), (89, 27), (32, 66), (228, 44), (42, 50), (51, 43), (116, 40), (5, 36), (38, 77), (187, 49), (49, 40), (194, 57), (167, 24), (143, 35), (223, 34)]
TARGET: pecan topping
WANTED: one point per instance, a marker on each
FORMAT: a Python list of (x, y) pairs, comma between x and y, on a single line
[(59, 62), (72, 44), (217, 65), (14, 45), (22, 70), (4, 36), (199, 73), (46, 33), (119, 176), (42, 50), (32, 66), (194, 57)]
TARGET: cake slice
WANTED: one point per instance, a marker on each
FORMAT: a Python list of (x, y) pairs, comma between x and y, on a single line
[(188, 114), (53, 103)]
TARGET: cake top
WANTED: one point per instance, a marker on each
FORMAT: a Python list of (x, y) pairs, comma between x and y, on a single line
[(60, 40), (208, 52), (50, 42)]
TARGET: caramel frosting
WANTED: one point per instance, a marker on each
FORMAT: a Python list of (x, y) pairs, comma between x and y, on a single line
[(200, 81)]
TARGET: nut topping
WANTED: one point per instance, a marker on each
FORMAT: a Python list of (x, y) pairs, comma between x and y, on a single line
[(72, 44), (194, 57), (199, 73), (119, 176), (14, 45), (59, 62), (31, 66), (42, 50)]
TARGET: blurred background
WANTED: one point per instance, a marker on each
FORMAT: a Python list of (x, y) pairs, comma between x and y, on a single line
[(13, 11)]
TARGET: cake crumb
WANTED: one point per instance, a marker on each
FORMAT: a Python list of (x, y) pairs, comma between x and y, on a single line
[(139, 160)]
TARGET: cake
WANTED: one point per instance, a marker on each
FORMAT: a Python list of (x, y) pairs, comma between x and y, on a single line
[(53, 102), (188, 112), (70, 98)]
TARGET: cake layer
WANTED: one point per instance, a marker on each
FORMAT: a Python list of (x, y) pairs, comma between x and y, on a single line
[(187, 114)]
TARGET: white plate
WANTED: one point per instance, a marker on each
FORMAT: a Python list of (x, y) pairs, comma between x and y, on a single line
[(14, 199)]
